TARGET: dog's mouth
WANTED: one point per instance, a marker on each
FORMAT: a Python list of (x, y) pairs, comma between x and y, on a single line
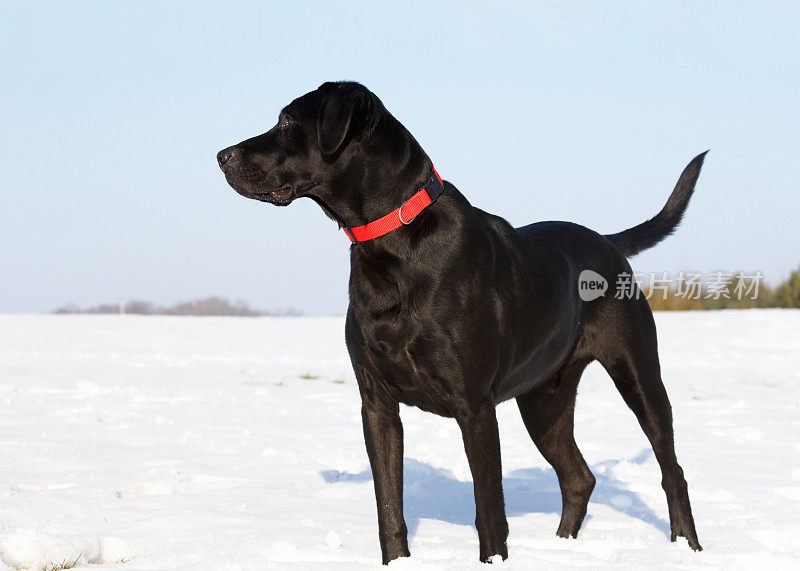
[(282, 196)]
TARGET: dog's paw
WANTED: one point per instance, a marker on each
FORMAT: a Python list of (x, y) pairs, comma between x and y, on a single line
[(495, 555), (690, 535)]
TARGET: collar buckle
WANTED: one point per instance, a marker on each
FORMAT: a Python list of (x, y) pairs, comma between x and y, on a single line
[(400, 214)]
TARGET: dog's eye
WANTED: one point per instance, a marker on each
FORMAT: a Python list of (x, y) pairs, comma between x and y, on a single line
[(287, 120)]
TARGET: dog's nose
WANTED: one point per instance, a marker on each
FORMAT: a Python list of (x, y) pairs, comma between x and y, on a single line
[(225, 155)]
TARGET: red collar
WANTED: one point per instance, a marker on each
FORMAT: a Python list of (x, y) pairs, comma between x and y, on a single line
[(426, 196)]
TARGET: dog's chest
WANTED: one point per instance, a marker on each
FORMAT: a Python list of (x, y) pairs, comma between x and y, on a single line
[(402, 334), (401, 359)]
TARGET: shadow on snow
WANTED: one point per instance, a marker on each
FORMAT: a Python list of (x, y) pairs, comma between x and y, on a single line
[(434, 493)]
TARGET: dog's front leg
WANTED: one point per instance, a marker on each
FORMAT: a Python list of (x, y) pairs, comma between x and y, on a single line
[(482, 443), (383, 434)]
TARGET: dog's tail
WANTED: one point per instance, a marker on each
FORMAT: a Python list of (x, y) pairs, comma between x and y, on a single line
[(649, 233)]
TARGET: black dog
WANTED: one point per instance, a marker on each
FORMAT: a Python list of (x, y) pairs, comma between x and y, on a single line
[(458, 311)]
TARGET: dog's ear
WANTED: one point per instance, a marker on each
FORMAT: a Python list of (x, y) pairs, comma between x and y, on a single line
[(345, 111)]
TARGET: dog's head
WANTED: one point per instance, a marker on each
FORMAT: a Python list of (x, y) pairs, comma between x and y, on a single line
[(310, 151)]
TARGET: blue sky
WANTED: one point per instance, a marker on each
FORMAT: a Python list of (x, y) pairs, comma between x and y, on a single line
[(112, 114)]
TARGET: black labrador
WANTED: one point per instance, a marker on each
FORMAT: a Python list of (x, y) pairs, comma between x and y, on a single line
[(453, 310)]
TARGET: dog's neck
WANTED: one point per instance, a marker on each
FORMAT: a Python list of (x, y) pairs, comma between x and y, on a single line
[(384, 188), (379, 178)]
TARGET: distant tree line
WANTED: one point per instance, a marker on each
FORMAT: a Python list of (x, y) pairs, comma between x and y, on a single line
[(736, 290), (205, 306)]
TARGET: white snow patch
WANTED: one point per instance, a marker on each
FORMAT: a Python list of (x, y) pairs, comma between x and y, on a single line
[(333, 540), (30, 548), (112, 550)]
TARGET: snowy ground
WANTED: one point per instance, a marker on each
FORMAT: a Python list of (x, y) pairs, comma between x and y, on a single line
[(235, 443)]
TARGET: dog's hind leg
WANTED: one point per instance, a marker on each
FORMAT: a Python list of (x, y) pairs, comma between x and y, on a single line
[(628, 350), (548, 414)]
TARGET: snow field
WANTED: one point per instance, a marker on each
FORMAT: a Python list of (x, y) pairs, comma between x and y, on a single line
[(130, 442)]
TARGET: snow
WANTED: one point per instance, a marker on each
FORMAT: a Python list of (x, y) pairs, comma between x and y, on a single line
[(132, 442)]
